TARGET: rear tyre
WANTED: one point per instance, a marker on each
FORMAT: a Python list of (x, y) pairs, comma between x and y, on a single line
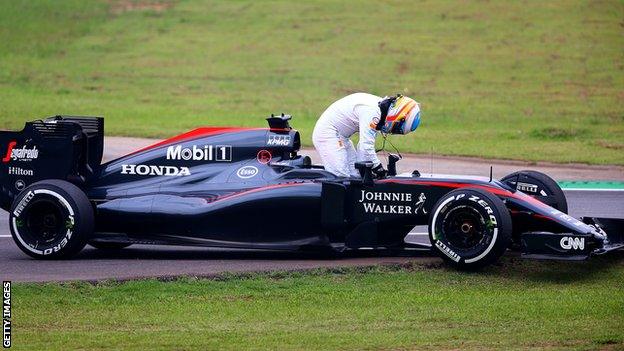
[(105, 245), (539, 186), (51, 219), (470, 228)]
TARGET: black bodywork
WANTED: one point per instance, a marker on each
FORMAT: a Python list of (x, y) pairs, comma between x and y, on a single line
[(249, 188)]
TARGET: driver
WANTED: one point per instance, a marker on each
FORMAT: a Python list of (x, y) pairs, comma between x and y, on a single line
[(366, 114)]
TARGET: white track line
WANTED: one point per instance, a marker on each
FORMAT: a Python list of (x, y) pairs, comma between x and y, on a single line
[(5, 236)]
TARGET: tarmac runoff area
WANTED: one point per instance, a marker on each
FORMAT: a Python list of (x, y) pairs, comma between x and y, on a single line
[(590, 190)]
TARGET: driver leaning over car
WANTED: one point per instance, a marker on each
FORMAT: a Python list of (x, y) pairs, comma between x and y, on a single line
[(365, 114)]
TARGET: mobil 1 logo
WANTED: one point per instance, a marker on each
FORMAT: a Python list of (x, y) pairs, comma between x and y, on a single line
[(219, 153)]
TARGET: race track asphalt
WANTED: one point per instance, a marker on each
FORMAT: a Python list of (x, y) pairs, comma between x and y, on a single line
[(143, 261)]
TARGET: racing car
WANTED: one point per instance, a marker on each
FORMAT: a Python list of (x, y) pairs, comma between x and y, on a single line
[(249, 188)]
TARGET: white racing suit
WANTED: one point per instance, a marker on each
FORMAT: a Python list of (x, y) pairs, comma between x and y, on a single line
[(354, 113)]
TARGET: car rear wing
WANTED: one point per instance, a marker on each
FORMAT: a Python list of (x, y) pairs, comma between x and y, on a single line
[(59, 147)]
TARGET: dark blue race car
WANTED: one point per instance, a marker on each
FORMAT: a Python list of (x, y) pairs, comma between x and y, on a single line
[(249, 188)]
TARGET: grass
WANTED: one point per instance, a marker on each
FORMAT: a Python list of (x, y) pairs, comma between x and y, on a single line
[(527, 80), (515, 305)]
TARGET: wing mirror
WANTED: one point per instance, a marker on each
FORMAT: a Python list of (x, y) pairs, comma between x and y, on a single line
[(366, 172), (392, 161)]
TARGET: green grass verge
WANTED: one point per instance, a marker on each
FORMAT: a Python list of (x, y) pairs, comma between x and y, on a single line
[(515, 79), (515, 305)]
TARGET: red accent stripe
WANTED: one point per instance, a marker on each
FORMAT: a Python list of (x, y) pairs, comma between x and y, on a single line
[(204, 132), (255, 190), (543, 217), (195, 134), (455, 185)]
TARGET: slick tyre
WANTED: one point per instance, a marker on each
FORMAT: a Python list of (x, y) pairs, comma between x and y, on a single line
[(470, 228), (51, 219), (105, 245), (539, 186)]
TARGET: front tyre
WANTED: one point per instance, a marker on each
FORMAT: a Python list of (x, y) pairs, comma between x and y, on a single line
[(470, 228), (51, 219)]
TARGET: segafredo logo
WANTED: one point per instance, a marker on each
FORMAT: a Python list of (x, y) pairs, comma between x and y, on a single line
[(247, 172), (150, 170), (278, 140), (568, 243), (20, 154), (201, 153)]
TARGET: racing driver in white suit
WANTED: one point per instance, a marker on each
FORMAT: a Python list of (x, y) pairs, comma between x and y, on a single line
[(365, 114)]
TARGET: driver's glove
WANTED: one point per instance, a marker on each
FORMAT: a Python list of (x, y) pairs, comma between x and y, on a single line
[(379, 171)]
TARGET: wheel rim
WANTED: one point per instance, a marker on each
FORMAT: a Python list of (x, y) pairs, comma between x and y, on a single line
[(464, 227), (44, 222)]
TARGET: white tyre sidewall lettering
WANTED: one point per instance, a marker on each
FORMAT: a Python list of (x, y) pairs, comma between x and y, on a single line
[(448, 251), (487, 250), (440, 245), (15, 217), (437, 212)]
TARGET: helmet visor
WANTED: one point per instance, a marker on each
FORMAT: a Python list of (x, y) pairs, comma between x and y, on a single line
[(397, 127)]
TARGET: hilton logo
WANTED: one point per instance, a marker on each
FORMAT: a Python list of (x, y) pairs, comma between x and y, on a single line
[(20, 171)]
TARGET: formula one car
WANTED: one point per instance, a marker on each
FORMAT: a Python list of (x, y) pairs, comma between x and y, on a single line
[(249, 188)]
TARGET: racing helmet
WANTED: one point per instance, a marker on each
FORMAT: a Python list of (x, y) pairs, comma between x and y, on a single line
[(403, 116)]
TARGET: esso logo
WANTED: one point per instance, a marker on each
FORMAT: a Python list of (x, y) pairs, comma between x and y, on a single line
[(247, 172)]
